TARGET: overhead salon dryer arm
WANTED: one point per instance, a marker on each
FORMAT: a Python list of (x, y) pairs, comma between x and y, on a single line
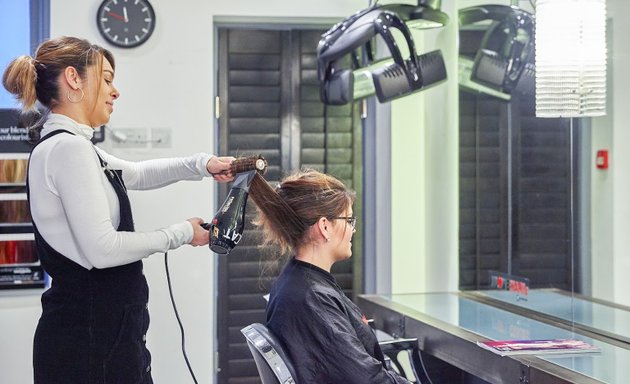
[(355, 31), (425, 15), (505, 60), (391, 81), (494, 12), (346, 37)]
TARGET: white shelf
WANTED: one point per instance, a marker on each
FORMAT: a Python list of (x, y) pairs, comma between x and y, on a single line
[(16, 236), (13, 156), (12, 196)]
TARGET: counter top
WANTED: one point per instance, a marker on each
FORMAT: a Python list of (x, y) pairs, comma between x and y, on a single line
[(448, 325)]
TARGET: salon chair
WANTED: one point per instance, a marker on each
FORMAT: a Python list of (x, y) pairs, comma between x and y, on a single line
[(271, 360), (397, 349), (274, 366)]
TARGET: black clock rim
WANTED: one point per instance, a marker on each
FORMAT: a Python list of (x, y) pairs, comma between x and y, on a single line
[(119, 45)]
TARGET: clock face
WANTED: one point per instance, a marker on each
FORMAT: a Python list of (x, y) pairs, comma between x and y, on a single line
[(125, 23)]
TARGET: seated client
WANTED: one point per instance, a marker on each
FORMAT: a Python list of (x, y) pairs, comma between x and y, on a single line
[(328, 339)]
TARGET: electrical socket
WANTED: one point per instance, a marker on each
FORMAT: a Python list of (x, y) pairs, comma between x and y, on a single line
[(136, 138), (161, 138)]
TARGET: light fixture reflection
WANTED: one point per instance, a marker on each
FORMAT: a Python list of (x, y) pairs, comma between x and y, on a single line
[(570, 58)]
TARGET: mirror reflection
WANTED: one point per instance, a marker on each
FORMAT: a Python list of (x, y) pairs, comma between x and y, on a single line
[(537, 199)]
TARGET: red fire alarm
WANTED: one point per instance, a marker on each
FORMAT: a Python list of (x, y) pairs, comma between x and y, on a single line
[(601, 160)]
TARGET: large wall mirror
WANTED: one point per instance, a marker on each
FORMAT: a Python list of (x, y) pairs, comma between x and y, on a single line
[(537, 203)]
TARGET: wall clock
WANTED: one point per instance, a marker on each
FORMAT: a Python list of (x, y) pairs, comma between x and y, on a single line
[(125, 23)]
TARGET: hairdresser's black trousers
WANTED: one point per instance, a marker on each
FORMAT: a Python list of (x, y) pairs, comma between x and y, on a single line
[(93, 323), (92, 329)]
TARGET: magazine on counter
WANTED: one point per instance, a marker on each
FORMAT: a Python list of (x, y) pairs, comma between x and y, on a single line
[(538, 347)]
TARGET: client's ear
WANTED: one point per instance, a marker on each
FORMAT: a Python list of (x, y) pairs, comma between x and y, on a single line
[(322, 226)]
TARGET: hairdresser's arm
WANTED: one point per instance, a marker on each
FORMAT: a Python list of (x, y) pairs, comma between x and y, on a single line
[(348, 361), (156, 173), (77, 181)]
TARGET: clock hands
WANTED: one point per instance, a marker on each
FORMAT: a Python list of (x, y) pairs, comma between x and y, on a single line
[(124, 18), (117, 16)]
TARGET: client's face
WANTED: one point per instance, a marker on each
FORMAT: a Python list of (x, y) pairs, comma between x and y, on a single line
[(343, 232)]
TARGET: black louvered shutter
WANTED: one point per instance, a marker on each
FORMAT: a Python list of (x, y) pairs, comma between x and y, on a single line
[(269, 104), (482, 191), (540, 235), (251, 108), (331, 143), (543, 196), (514, 192)]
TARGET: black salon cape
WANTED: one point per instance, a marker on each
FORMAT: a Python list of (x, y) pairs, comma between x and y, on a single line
[(326, 335)]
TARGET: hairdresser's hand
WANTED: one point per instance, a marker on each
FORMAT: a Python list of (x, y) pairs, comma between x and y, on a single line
[(200, 235), (219, 167)]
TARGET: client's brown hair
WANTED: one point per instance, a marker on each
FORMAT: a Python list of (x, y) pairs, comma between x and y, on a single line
[(286, 212)]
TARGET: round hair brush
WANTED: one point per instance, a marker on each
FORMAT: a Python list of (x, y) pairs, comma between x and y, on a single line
[(244, 164)]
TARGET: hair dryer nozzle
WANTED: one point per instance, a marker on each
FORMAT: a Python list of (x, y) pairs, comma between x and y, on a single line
[(394, 80), (390, 82)]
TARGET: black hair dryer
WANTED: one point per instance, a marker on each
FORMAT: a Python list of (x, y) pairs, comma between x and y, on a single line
[(226, 228)]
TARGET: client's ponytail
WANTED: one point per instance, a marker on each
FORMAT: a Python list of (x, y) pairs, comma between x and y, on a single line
[(286, 213), (281, 225)]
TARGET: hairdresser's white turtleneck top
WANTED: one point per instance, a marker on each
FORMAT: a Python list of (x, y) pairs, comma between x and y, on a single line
[(76, 209)]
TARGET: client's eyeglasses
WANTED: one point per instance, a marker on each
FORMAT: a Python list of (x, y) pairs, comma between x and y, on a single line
[(350, 220)]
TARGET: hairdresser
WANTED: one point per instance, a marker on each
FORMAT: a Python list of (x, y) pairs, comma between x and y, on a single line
[(309, 217), (94, 320)]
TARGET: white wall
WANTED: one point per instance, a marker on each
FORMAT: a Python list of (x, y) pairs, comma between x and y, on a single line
[(18, 317), (425, 174), (168, 83)]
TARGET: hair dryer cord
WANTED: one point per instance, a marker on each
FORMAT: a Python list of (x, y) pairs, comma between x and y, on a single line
[(179, 321)]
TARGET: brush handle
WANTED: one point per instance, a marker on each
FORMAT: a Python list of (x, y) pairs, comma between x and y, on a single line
[(244, 164)]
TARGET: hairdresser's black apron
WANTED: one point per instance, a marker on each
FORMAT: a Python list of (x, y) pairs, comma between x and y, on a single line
[(93, 325)]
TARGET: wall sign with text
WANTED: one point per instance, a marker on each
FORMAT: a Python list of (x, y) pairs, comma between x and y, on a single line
[(13, 133)]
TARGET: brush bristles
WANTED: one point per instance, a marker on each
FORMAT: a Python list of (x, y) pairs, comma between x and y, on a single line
[(245, 164)]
